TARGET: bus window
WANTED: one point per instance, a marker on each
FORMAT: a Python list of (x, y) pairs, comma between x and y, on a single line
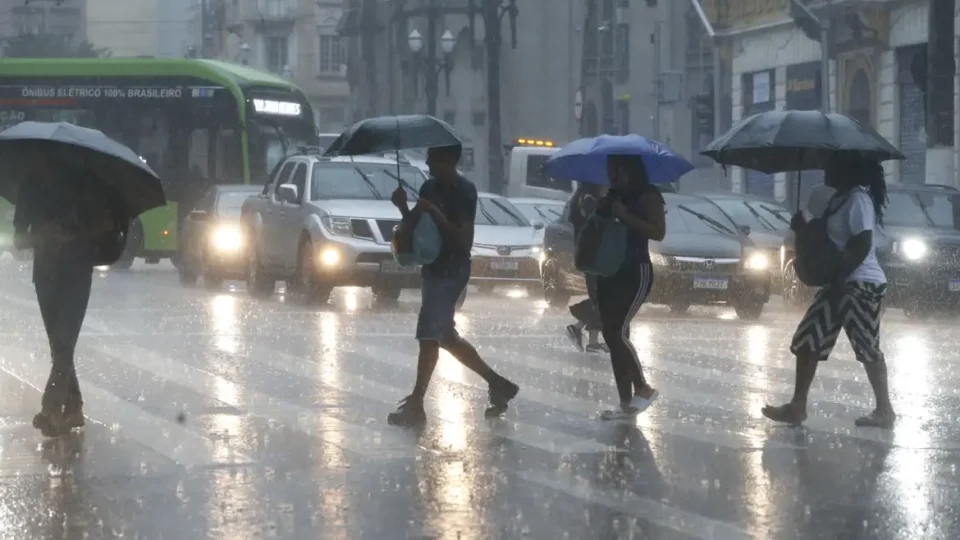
[(230, 157)]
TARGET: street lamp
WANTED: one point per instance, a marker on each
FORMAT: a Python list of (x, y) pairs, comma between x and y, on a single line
[(431, 64)]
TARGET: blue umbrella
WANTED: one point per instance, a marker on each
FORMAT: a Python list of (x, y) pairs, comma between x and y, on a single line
[(585, 160)]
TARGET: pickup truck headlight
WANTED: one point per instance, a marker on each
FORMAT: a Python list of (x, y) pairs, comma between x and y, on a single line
[(756, 261), (911, 249), (339, 226), (657, 259), (227, 238)]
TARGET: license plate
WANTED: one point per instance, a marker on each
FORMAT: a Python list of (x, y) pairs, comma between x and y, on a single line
[(504, 265), (393, 267), (954, 285), (720, 284)]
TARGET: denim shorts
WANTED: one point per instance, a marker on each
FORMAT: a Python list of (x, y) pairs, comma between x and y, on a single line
[(439, 294)]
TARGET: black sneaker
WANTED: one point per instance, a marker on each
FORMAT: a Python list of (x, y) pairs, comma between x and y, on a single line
[(575, 335), (597, 348), (500, 395), (410, 413)]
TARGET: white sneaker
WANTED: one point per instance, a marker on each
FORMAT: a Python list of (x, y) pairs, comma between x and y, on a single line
[(641, 404)]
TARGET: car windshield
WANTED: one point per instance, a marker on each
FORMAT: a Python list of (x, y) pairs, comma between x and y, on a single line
[(347, 180), (544, 212), (699, 217), (921, 209), (229, 203), (756, 215), (499, 212)]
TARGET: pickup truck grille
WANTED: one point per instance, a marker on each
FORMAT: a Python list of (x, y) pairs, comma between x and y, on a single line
[(386, 228), (361, 228)]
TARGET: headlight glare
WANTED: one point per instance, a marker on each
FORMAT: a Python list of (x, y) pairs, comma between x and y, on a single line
[(757, 262), (227, 239), (339, 226), (913, 249), (329, 257), (657, 259)]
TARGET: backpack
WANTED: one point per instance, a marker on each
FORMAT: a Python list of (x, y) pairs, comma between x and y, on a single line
[(818, 258), (417, 241), (601, 246)]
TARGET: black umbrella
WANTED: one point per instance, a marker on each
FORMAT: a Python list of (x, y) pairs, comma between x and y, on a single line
[(392, 134), (111, 162), (783, 141)]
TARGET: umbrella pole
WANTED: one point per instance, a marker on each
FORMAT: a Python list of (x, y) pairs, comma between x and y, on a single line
[(397, 152)]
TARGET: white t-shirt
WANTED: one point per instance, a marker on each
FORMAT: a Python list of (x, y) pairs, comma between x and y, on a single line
[(855, 215)]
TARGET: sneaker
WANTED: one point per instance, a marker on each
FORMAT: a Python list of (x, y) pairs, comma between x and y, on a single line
[(597, 348), (640, 404), (500, 395), (410, 413), (575, 335)]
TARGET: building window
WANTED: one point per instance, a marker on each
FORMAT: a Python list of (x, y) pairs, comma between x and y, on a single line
[(277, 54), (332, 55), (29, 21), (622, 64)]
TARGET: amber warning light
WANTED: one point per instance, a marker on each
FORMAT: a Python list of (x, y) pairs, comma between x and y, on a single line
[(534, 142)]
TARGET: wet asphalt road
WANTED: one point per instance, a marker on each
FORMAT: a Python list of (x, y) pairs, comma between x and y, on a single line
[(283, 431)]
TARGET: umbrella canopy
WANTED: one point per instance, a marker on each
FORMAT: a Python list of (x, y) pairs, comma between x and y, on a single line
[(392, 133), (783, 141), (111, 162), (585, 160)]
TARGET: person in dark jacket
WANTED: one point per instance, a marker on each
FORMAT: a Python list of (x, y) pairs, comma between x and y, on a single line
[(451, 200), (638, 204), (582, 204), (61, 214)]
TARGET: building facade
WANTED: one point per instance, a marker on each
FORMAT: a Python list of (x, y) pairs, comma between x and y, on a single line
[(877, 66), (42, 17), (576, 68), (296, 39)]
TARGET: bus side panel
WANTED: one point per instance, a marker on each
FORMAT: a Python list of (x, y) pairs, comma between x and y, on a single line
[(160, 230), (6, 225)]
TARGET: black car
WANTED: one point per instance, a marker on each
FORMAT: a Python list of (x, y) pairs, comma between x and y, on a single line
[(704, 259), (214, 245)]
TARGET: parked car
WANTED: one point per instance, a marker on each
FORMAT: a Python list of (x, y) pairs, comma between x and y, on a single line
[(214, 244), (703, 260), (539, 209), (326, 222), (506, 246), (765, 221)]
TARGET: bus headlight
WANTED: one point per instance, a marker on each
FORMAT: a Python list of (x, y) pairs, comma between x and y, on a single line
[(913, 249), (227, 239), (757, 262)]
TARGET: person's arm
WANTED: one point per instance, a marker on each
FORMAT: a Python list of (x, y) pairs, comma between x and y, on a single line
[(655, 226)]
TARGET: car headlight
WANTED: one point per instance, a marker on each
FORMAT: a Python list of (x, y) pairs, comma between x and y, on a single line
[(657, 259), (227, 238), (339, 226), (912, 249), (757, 262), (329, 257), (536, 250)]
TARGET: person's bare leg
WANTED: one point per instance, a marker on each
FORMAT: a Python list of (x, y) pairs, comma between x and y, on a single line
[(883, 416), (411, 411), (795, 412)]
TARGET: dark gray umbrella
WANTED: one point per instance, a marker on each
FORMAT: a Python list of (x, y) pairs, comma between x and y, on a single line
[(783, 141), (393, 133), (113, 163)]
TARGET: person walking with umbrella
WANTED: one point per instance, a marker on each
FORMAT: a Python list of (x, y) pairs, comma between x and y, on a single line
[(75, 195), (62, 216), (582, 204), (836, 250), (852, 302), (630, 164), (451, 201)]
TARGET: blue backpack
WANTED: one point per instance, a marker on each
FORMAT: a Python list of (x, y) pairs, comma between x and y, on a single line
[(601, 246), (425, 243)]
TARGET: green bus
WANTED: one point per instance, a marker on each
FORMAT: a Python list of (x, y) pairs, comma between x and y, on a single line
[(196, 123)]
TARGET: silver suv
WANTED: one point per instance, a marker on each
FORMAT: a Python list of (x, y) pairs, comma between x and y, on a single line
[(325, 222)]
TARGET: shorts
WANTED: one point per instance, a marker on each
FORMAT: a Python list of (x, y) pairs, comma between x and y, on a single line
[(857, 313), (439, 294)]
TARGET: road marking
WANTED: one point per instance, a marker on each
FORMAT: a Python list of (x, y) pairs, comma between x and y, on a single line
[(626, 502), (165, 437)]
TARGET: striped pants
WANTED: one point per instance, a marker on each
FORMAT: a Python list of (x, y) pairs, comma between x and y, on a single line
[(619, 298), (856, 311)]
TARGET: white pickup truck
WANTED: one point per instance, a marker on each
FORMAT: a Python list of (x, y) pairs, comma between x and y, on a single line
[(326, 222)]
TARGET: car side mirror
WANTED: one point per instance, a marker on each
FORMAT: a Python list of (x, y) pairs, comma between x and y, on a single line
[(537, 224), (287, 193), (198, 215), (745, 230)]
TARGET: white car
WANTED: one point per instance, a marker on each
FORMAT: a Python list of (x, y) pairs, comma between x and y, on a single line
[(539, 209), (506, 246)]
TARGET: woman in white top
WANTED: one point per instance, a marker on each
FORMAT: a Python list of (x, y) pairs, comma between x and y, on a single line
[(852, 302)]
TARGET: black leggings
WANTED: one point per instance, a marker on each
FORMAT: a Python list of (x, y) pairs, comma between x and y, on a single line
[(63, 301), (619, 298)]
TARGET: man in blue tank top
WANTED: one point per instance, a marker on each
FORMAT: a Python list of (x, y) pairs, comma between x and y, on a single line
[(451, 201)]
